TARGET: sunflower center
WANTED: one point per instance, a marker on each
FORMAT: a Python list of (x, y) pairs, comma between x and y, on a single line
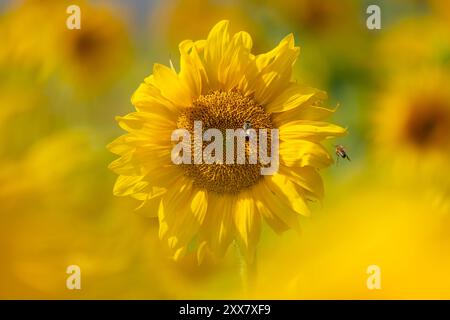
[(224, 110), (428, 125)]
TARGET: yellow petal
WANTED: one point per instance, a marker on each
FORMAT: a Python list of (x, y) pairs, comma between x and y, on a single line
[(120, 146), (314, 113), (175, 197), (295, 96), (150, 203), (148, 129), (163, 175), (275, 70), (200, 45), (125, 166), (275, 212), (305, 177), (142, 187), (247, 222), (127, 185), (182, 212), (215, 46), (138, 121), (179, 253), (285, 190), (192, 71), (147, 97), (218, 226), (306, 129), (234, 63), (199, 205), (304, 153), (167, 81), (201, 251)]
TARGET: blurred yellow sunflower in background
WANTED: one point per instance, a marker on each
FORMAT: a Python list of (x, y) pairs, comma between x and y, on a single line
[(170, 22), (414, 115), (320, 17), (88, 59), (402, 234), (25, 47), (223, 84), (399, 52), (93, 56)]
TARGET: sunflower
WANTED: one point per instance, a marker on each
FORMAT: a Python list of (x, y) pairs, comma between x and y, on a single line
[(171, 21), (25, 48), (415, 116), (205, 207), (89, 58), (94, 55), (432, 49), (320, 17)]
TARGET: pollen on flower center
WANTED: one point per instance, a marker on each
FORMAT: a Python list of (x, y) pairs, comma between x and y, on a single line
[(225, 110)]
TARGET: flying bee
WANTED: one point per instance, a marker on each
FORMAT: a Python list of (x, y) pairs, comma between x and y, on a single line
[(247, 126), (341, 153)]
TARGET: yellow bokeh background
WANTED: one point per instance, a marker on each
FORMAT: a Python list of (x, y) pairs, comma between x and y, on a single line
[(60, 90)]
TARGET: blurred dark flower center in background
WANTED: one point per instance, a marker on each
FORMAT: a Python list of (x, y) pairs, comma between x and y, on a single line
[(318, 15), (428, 124), (87, 46)]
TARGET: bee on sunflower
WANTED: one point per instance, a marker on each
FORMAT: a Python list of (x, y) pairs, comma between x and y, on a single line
[(204, 207)]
